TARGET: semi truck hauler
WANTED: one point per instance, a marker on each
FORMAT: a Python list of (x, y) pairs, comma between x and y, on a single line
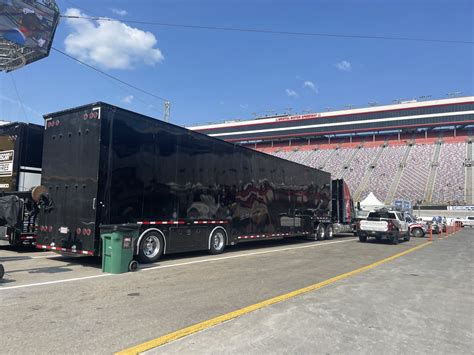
[(21, 147), (343, 210), (185, 190)]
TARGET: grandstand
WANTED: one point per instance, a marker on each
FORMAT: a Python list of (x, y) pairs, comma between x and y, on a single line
[(420, 151)]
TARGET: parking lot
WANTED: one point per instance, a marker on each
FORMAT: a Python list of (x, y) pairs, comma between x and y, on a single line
[(53, 304)]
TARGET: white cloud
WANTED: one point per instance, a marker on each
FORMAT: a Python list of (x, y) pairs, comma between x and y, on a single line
[(291, 93), (127, 99), (110, 44), (244, 106), (120, 12), (344, 65), (310, 85)]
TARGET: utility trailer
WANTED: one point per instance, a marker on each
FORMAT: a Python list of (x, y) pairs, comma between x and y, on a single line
[(21, 147), (184, 190)]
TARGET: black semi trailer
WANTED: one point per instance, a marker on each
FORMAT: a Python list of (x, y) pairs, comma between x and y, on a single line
[(21, 148), (185, 191)]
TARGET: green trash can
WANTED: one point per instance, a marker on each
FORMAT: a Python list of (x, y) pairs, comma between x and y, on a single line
[(117, 247)]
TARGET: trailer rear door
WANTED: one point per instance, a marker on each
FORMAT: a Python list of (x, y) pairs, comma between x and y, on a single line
[(70, 171)]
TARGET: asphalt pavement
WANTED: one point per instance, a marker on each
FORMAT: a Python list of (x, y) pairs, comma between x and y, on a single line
[(421, 303), (51, 304)]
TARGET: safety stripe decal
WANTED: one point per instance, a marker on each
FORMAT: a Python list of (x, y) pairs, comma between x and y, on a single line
[(182, 222), (48, 247), (161, 222), (210, 222), (270, 235)]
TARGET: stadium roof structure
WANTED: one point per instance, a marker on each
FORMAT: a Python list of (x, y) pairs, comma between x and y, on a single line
[(453, 112)]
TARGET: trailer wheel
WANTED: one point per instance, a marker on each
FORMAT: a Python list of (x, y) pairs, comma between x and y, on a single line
[(151, 247), (217, 241), (329, 231), (362, 238), (320, 232)]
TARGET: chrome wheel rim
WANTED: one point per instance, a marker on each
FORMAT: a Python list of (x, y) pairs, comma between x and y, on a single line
[(321, 232), (218, 241), (330, 233), (151, 246)]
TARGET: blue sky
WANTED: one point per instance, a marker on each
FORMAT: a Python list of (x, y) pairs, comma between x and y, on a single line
[(211, 75)]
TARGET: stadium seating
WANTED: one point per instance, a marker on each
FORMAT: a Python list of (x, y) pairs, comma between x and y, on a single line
[(338, 160), (356, 161), (384, 172), (416, 172), (358, 166), (450, 177)]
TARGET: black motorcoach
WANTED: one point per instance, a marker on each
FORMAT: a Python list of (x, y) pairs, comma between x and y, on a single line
[(21, 152), (184, 190)]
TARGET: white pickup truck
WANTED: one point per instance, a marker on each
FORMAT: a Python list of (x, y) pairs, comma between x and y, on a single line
[(384, 224), (468, 221)]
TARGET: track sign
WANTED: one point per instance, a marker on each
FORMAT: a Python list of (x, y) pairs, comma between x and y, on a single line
[(6, 163), (26, 31)]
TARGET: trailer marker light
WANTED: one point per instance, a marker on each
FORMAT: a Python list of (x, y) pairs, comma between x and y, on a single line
[(78, 231), (50, 229)]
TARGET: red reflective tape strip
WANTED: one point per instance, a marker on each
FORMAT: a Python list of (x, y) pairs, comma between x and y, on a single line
[(210, 222), (181, 222), (64, 249), (162, 222)]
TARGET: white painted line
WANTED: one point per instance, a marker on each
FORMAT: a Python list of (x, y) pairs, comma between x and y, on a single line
[(53, 282), (247, 254)]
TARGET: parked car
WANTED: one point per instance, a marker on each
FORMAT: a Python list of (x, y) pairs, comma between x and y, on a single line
[(417, 229), (436, 228), (441, 221), (384, 224)]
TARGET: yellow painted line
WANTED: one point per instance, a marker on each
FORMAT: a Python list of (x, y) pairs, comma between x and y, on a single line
[(240, 312)]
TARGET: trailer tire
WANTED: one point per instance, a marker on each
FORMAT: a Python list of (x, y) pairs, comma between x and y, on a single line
[(217, 241), (362, 238), (151, 247), (329, 231), (2, 271), (320, 232)]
